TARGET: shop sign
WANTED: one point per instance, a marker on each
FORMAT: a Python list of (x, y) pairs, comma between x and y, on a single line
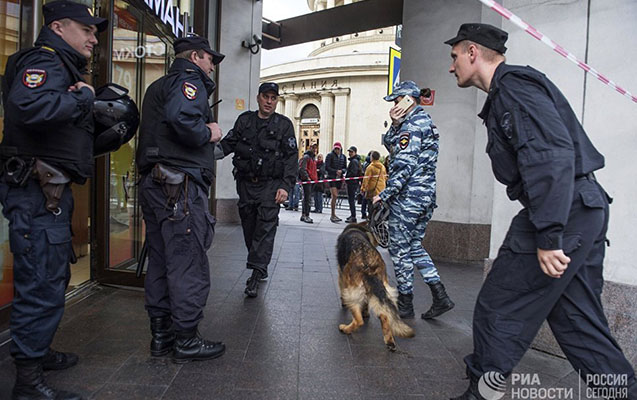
[(309, 121), (168, 14)]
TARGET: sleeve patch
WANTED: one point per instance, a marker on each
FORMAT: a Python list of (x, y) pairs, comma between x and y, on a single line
[(292, 143), (403, 140), (189, 90), (33, 78)]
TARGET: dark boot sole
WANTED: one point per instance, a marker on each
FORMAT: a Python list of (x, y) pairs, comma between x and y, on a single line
[(187, 360), (438, 312), (160, 353)]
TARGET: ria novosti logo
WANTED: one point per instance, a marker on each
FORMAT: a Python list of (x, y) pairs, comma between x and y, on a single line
[(492, 385)]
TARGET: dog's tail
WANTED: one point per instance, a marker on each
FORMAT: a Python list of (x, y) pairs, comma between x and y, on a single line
[(383, 301)]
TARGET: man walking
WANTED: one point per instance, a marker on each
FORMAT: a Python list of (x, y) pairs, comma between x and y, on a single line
[(354, 170), (265, 168), (550, 264), (176, 161), (307, 172)]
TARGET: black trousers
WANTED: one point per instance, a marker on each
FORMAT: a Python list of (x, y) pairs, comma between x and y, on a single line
[(352, 189), (41, 247), (178, 276), (517, 296), (259, 218), (307, 198)]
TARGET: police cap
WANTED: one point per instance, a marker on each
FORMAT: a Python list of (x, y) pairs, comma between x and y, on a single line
[(406, 88), (61, 9), (195, 42), (487, 35), (269, 87)]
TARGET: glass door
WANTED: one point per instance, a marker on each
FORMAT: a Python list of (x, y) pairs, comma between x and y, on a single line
[(140, 55)]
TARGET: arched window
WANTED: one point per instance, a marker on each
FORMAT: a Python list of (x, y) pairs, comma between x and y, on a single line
[(310, 111)]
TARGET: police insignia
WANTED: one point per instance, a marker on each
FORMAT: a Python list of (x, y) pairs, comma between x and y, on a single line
[(403, 140), (33, 78), (507, 124), (189, 90)]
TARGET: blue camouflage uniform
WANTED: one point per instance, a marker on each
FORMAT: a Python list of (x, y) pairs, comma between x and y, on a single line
[(411, 195)]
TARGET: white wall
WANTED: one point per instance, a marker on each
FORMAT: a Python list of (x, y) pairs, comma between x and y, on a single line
[(238, 76), (467, 190)]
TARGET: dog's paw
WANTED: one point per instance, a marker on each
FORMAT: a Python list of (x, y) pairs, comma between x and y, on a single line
[(391, 346), (343, 328)]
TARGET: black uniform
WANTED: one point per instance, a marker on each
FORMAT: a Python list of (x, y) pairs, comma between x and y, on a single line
[(265, 160), (354, 170), (45, 121), (539, 150), (173, 133)]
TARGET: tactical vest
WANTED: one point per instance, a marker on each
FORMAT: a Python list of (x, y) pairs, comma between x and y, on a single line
[(159, 144), (258, 151), (71, 142)]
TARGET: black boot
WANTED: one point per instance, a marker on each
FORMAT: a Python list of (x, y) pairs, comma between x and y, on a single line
[(163, 336), (441, 301), (56, 360), (190, 346), (406, 305), (30, 383), (252, 284), (472, 392)]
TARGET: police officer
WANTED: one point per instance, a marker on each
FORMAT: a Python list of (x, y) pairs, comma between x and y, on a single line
[(265, 168), (550, 264), (176, 158), (410, 192), (49, 123)]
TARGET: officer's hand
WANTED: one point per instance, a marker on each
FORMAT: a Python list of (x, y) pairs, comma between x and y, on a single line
[(376, 199), (339, 173), (215, 132), (397, 115), (281, 196), (79, 85), (553, 262)]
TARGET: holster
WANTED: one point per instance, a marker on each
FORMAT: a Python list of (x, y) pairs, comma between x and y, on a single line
[(170, 181), (52, 181)]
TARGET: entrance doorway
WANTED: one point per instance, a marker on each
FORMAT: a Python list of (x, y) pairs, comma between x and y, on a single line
[(141, 54), (310, 129)]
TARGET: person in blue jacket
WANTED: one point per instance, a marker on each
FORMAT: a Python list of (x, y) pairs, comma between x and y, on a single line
[(175, 157), (48, 109), (550, 265), (412, 141)]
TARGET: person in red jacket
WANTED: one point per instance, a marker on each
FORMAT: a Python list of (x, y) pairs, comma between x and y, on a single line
[(307, 172)]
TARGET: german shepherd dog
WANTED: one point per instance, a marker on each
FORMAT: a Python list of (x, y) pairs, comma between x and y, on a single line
[(363, 282)]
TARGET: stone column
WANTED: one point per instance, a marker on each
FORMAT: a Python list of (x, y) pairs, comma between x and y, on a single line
[(280, 106), (340, 116), (320, 5), (290, 108), (327, 122), (330, 3), (348, 2)]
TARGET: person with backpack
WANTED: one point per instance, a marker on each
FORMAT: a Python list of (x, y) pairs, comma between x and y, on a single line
[(307, 173)]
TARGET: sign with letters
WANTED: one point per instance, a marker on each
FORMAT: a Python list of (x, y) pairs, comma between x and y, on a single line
[(169, 15), (393, 76)]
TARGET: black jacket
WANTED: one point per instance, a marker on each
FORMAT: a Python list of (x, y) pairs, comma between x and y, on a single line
[(537, 147), (335, 163), (173, 130), (43, 119), (354, 169), (264, 149)]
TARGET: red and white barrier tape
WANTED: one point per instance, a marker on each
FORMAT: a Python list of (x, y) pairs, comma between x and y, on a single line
[(556, 47), (338, 179)]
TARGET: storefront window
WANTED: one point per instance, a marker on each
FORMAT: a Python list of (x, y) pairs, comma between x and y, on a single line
[(9, 27), (139, 58)]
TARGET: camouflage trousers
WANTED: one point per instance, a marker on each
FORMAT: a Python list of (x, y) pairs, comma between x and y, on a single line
[(407, 225)]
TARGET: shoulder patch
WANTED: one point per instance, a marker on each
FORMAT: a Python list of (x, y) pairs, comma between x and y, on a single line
[(189, 90), (292, 142), (403, 140), (33, 78)]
